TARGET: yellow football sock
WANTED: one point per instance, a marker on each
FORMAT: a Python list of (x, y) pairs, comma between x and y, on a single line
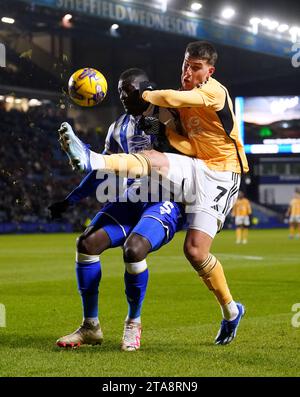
[(238, 234), (211, 272), (132, 165), (292, 230), (245, 234)]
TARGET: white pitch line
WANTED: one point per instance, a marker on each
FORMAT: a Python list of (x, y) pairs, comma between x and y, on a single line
[(251, 258)]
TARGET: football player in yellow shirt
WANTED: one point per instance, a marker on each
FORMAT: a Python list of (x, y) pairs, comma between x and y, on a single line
[(293, 213), (242, 212), (208, 176)]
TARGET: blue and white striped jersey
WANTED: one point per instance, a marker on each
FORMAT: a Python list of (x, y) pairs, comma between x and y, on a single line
[(125, 127)]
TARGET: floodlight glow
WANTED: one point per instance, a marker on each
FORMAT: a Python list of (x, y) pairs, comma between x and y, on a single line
[(269, 24), (294, 32), (283, 28), (67, 17), (265, 22), (34, 102), (114, 26), (255, 22), (7, 20), (66, 21), (273, 25), (164, 5), (228, 13), (196, 6)]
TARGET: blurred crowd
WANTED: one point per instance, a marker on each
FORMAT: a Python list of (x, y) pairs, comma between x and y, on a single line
[(34, 172), (20, 71)]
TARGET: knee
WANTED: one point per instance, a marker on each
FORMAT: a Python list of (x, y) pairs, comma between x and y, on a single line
[(135, 249), (133, 253), (84, 245), (89, 245), (195, 253)]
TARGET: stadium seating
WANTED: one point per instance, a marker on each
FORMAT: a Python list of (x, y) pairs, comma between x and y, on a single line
[(34, 171)]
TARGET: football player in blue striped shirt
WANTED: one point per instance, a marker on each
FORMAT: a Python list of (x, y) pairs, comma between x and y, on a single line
[(139, 227)]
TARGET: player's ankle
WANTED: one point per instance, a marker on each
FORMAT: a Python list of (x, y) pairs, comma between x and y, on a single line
[(93, 321), (230, 311), (133, 320)]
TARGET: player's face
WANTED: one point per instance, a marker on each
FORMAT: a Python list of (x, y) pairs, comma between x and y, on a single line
[(130, 96), (194, 71)]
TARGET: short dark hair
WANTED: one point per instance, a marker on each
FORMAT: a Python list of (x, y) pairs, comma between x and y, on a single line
[(132, 73), (202, 50)]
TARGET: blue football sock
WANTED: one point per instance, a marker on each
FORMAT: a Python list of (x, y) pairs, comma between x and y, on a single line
[(88, 279), (136, 285)]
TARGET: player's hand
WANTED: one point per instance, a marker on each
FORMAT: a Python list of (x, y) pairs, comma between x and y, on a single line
[(147, 86), (58, 208), (151, 126)]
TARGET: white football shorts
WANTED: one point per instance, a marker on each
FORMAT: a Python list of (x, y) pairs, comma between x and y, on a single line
[(208, 195), (242, 221), (294, 219)]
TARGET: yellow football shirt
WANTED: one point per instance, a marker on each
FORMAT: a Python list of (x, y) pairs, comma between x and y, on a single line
[(242, 207), (209, 124), (295, 207)]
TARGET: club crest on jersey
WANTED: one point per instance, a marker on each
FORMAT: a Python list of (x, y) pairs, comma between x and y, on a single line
[(193, 125)]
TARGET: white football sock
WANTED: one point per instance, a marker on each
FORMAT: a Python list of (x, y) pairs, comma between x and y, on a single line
[(133, 320), (94, 321), (97, 161), (230, 311)]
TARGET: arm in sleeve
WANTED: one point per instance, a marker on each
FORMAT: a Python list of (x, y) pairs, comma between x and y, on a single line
[(175, 99), (86, 188), (249, 208)]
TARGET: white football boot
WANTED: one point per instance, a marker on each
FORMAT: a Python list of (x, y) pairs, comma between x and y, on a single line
[(86, 334), (77, 151), (131, 340)]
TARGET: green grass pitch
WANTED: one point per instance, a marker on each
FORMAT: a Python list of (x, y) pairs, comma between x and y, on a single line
[(180, 316)]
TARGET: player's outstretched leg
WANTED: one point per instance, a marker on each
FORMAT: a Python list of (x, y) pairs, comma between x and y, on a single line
[(77, 151), (85, 160), (228, 329)]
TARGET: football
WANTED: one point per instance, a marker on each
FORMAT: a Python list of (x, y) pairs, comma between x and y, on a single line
[(87, 87)]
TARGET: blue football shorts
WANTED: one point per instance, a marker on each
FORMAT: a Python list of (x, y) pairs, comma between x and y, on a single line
[(157, 222)]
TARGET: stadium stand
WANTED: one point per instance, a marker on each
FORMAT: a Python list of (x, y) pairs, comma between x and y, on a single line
[(34, 171), (21, 72)]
